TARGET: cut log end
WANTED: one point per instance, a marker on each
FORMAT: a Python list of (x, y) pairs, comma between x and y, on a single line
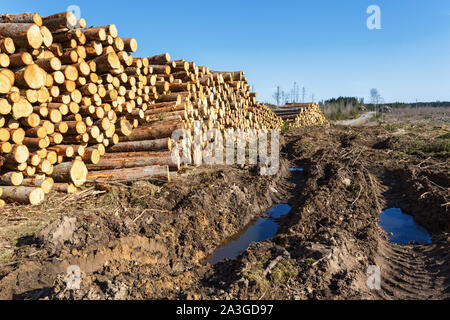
[(78, 173)]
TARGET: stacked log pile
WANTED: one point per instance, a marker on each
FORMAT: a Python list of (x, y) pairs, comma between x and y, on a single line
[(302, 115), (77, 107)]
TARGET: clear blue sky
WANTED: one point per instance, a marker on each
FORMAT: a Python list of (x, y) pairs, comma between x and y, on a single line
[(323, 45)]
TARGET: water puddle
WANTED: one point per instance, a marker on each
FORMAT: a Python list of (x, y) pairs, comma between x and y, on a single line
[(402, 228), (259, 230), (297, 170)]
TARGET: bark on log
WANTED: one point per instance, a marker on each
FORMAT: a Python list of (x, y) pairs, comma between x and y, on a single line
[(24, 195), (29, 17), (129, 174), (136, 159), (148, 145), (11, 179), (24, 34), (60, 21), (31, 76), (75, 171)]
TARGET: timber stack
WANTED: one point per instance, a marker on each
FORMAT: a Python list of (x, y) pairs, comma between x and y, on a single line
[(77, 107), (302, 115)]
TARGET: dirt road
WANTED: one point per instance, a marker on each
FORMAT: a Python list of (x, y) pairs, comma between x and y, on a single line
[(356, 122), (150, 240)]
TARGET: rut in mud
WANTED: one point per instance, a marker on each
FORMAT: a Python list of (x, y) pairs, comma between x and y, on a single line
[(152, 241)]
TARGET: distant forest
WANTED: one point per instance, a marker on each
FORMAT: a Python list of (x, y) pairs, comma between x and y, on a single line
[(349, 107), (437, 104)]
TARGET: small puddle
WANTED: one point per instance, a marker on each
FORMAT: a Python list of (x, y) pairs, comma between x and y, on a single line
[(402, 228), (296, 169), (259, 230)]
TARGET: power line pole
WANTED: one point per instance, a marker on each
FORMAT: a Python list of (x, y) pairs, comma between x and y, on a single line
[(295, 93), (278, 96), (304, 92)]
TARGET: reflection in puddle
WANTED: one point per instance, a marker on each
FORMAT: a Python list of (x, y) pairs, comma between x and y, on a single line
[(402, 229), (297, 169), (259, 230)]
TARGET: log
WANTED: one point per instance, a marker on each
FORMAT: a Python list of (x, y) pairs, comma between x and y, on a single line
[(19, 154), (47, 37), (75, 171), (159, 59), (24, 195), (65, 188), (148, 145), (31, 76), (24, 34), (5, 84), (22, 109), (152, 133), (7, 45), (106, 62), (135, 159), (29, 17), (11, 179), (129, 174), (4, 60), (60, 21), (46, 184), (130, 44)]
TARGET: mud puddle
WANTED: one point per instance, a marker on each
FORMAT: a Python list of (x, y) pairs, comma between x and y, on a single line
[(402, 229), (257, 231), (296, 169)]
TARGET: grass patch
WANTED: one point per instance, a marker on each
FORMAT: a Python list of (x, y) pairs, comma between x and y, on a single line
[(310, 261), (283, 272), (256, 273), (286, 127), (355, 189)]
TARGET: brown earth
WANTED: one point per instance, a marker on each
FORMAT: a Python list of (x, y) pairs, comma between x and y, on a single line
[(150, 240)]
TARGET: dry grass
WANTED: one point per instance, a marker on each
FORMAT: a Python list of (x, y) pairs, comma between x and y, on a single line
[(18, 222), (424, 114), (340, 111)]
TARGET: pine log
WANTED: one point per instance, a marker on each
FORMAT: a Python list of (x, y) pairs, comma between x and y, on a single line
[(24, 195), (130, 44), (146, 145), (46, 184), (129, 174), (11, 179), (136, 159), (5, 83), (24, 34), (75, 171), (32, 76), (68, 188), (60, 21), (160, 59), (29, 17)]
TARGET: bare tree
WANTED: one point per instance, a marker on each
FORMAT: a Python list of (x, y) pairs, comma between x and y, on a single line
[(376, 98), (277, 96)]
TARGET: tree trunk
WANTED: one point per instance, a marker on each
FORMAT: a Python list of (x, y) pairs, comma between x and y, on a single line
[(129, 174), (136, 159), (75, 171), (146, 145), (24, 195), (23, 34)]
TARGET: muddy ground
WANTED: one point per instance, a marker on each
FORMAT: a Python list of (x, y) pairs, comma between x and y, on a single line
[(150, 240)]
